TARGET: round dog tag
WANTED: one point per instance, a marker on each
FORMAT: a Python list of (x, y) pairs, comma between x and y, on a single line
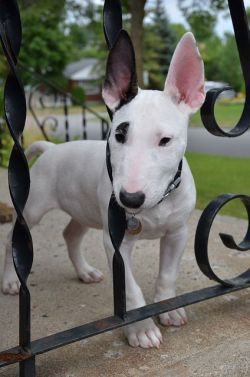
[(134, 226)]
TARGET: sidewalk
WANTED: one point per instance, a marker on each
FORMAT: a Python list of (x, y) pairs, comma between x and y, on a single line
[(215, 342), (200, 140)]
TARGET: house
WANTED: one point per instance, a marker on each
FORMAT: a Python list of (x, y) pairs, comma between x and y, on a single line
[(87, 74)]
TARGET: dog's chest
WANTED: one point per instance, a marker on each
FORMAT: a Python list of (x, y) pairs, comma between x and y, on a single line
[(155, 222)]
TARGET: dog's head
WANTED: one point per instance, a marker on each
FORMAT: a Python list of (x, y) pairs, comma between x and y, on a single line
[(149, 128)]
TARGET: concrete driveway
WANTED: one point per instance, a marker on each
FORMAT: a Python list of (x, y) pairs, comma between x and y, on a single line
[(215, 342)]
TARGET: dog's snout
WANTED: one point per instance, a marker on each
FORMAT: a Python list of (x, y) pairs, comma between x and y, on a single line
[(132, 199)]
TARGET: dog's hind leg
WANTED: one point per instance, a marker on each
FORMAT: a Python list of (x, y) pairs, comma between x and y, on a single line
[(73, 234), (34, 211)]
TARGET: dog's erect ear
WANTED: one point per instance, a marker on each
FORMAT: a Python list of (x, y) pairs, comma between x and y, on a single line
[(185, 80), (120, 84)]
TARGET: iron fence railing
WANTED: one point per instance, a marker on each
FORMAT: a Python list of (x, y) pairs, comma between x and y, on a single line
[(15, 111), (1, 140), (45, 94), (62, 124)]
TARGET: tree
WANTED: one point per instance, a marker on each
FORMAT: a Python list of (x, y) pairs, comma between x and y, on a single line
[(45, 46), (202, 24), (160, 41), (212, 6), (202, 15), (137, 34), (230, 68)]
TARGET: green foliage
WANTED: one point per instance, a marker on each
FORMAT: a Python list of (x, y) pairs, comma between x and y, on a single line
[(87, 38), (212, 6), (202, 24), (79, 94), (45, 47), (179, 30), (159, 44), (230, 69), (211, 50)]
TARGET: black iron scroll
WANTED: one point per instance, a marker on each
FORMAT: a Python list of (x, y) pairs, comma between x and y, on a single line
[(242, 36), (202, 239), (112, 25), (19, 180)]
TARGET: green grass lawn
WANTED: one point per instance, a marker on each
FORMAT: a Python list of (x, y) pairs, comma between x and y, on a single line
[(215, 175), (227, 114)]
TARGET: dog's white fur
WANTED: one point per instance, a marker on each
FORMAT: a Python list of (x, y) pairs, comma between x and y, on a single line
[(73, 177)]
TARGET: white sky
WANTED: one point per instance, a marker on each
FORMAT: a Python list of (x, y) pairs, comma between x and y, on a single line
[(176, 16)]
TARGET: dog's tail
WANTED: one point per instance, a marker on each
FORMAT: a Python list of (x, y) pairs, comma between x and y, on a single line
[(37, 148)]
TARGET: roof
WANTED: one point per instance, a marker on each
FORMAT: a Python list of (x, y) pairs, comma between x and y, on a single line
[(82, 70)]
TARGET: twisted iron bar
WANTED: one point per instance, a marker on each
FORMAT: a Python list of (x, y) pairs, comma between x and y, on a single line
[(18, 171), (112, 25)]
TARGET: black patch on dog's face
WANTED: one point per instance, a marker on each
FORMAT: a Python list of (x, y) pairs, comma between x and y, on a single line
[(121, 132)]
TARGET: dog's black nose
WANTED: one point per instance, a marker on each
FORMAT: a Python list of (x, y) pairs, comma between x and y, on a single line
[(132, 199)]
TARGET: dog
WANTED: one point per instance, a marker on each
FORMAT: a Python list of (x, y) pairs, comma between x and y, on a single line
[(147, 143)]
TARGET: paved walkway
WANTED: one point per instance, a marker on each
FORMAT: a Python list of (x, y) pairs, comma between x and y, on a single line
[(215, 342), (200, 140)]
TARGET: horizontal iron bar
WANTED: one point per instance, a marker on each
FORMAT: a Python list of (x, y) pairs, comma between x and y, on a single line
[(75, 334)]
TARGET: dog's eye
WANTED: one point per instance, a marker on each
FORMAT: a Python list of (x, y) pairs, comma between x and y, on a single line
[(164, 141), (120, 137)]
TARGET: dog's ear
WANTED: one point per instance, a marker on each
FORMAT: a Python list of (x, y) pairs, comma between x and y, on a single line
[(185, 80), (120, 85)]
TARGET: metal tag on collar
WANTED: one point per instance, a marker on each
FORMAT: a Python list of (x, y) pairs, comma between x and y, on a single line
[(133, 225)]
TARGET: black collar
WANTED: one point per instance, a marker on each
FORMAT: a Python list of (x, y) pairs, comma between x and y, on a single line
[(174, 183)]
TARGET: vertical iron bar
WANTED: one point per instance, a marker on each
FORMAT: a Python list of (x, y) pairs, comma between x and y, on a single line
[(66, 117), (84, 123), (27, 368), (1, 141), (102, 129)]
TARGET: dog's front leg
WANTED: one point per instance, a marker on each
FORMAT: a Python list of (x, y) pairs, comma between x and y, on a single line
[(145, 333), (171, 250)]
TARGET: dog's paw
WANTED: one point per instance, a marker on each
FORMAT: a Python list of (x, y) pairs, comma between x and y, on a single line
[(10, 286), (176, 317), (91, 275), (143, 334)]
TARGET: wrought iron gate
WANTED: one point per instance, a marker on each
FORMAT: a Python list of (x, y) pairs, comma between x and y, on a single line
[(19, 182)]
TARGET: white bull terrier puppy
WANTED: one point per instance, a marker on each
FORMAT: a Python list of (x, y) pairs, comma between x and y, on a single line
[(147, 143)]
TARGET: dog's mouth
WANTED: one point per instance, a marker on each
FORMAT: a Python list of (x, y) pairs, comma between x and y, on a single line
[(132, 212)]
